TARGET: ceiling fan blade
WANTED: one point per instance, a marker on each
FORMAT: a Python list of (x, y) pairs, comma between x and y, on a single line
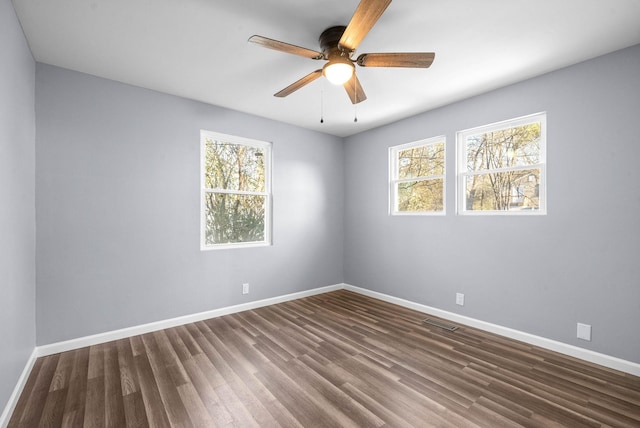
[(363, 19), (299, 84), (354, 90), (409, 59), (285, 47)]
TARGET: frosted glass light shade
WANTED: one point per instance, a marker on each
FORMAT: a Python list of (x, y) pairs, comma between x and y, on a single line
[(338, 72)]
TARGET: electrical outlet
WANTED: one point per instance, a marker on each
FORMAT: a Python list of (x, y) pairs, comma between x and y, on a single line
[(460, 299), (584, 332), (245, 288)]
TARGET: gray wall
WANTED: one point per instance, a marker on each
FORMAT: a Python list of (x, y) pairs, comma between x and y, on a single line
[(118, 202), (541, 275), (17, 202)]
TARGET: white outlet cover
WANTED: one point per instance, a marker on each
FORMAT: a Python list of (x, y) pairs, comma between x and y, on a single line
[(460, 299), (584, 332)]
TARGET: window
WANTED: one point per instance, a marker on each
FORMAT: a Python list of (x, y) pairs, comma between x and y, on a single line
[(501, 167), (236, 191), (416, 172)]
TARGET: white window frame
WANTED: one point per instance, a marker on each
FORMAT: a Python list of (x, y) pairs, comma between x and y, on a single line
[(462, 173), (394, 180), (266, 147)]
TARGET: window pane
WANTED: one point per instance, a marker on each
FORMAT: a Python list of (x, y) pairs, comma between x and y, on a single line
[(234, 218), (234, 166), (517, 146), (421, 161), (425, 195), (503, 191)]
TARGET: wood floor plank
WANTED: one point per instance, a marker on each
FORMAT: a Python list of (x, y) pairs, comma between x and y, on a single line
[(132, 401), (94, 416), (53, 408), (137, 346), (96, 361), (180, 348), (541, 405), (37, 395), (517, 414), (222, 379), (74, 407), (24, 400), (488, 417), (134, 411), (238, 374), (385, 413), (325, 391), (337, 359), (171, 401), (153, 404), (195, 407), (207, 393), (295, 399), (129, 383), (185, 335), (168, 358), (62, 374), (114, 404)]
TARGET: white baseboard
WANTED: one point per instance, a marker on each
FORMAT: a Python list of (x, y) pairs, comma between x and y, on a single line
[(95, 339), (553, 345), (15, 395)]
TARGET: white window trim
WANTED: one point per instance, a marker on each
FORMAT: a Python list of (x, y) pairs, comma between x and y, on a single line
[(461, 164), (266, 146), (393, 173)]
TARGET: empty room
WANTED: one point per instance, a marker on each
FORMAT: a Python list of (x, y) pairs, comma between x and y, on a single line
[(362, 213)]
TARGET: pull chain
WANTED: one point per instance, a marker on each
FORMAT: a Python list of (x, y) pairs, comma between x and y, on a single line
[(355, 105), (322, 103)]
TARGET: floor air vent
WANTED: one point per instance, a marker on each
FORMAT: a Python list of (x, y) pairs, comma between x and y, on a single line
[(441, 324)]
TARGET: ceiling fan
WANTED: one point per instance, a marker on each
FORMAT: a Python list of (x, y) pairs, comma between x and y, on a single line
[(338, 44)]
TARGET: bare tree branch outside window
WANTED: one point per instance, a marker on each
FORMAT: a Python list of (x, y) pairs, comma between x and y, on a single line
[(504, 169), (418, 176), (235, 193)]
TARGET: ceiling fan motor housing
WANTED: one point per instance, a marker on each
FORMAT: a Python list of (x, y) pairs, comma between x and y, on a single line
[(329, 42)]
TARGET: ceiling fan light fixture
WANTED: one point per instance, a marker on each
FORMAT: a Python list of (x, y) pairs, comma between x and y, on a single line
[(338, 71), (338, 43)]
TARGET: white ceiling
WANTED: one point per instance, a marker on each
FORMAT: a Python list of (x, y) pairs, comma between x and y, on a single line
[(198, 49)]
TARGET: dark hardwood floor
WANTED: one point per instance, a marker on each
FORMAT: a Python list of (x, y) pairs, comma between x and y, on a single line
[(333, 360)]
